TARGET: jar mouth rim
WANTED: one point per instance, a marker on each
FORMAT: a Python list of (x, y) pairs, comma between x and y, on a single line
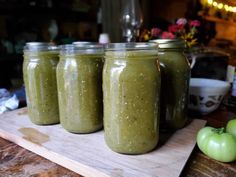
[(131, 54), (40, 46), (170, 43), (131, 46), (81, 43), (70, 49)]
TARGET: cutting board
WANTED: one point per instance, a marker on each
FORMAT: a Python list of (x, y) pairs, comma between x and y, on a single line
[(88, 155)]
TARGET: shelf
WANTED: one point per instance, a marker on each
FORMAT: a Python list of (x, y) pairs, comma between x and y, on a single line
[(218, 20)]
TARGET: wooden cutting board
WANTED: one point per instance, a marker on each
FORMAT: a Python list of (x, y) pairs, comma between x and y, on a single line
[(88, 155)]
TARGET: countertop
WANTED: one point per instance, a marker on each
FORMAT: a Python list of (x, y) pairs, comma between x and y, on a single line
[(16, 161)]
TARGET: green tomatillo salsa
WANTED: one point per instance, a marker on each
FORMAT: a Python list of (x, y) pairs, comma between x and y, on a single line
[(39, 70), (79, 80), (175, 75), (131, 88)]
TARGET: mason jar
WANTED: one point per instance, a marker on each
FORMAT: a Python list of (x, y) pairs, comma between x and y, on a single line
[(131, 89), (39, 71), (79, 81), (175, 76)]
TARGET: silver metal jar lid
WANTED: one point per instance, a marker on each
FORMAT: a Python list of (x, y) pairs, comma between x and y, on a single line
[(169, 43), (39, 46), (70, 49), (131, 46), (81, 43)]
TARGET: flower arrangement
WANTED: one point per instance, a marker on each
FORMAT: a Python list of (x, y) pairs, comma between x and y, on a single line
[(183, 29)]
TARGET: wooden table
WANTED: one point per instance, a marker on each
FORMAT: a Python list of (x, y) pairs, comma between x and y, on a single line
[(17, 161)]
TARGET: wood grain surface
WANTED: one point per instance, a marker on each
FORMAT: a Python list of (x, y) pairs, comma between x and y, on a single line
[(89, 156), (16, 161)]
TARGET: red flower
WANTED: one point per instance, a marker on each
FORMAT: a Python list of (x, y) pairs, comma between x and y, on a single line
[(175, 28), (195, 23), (155, 32), (167, 35)]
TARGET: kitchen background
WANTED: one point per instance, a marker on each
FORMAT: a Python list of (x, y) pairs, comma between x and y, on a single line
[(65, 21)]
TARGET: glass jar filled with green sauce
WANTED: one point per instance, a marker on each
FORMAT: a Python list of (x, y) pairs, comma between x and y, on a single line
[(39, 71), (131, 88), (79, 80), (175, 76)]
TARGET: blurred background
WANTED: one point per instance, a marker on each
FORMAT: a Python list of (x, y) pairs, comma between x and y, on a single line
[(66, 21)]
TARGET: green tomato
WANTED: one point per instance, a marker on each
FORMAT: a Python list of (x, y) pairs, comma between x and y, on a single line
[(231, 127), (217, 144)]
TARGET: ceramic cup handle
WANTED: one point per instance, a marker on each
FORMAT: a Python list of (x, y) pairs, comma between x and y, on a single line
[(193, 61)]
